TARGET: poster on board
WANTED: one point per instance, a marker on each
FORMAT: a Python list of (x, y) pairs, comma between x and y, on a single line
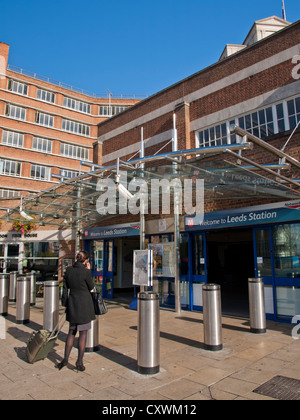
[(163, 259), (142, 267)]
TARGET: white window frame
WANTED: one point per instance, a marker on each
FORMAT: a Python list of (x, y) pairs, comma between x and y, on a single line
[(68, 174), (46, 120), (74, 152), (11, 138), (76, 128), (17, 87), (80, 106), (274, 107), (111, 110), (36, 172), (296, 113), (10, 167), (4, 193), (15, 112), (45, 96), (42, 145)]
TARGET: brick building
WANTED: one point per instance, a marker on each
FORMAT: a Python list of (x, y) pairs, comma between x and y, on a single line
[(256, 87), (46, 128), (251, 179)]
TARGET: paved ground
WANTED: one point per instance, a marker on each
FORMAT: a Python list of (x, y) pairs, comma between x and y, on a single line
[(188, 372)]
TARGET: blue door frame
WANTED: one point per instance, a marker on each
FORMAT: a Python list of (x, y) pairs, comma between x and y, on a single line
[(269, 280), (105, 277), (195, 278)]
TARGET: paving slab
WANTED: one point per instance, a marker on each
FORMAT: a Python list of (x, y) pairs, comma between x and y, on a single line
[(188, 372)]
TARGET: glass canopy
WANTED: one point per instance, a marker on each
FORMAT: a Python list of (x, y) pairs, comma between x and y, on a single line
[(73, 202)]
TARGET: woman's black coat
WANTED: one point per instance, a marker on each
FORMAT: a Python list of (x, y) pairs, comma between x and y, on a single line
[(76, 295)]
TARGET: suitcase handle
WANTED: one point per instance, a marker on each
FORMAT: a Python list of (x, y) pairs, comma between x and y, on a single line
[(58, 329)]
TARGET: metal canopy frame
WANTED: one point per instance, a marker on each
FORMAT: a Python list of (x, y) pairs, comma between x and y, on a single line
[(72, 202)]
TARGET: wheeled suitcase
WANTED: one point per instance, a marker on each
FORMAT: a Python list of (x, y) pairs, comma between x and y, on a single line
[(41, 342)]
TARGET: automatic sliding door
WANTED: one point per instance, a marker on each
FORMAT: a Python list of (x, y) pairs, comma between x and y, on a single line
[(263, 255), (199, 272), (108, 272), (102, 265)]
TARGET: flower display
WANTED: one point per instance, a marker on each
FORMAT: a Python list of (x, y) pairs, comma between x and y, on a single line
[(24, 226)]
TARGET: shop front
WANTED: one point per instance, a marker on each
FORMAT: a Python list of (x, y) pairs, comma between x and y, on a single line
[(38, 251)]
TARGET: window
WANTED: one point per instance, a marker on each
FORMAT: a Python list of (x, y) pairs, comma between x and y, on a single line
[(75, 152), (75, 127), (214, 136), (77, 105), (260, 123), (40, 172), (287, 250), (42, 257), (11, 138), (44, 119), (293, 112), (280, 118), (67, 174), (198, 255), (10, 167), (9, 193), (17, 87), (110, 110), (15, 112), (42, 145), (45, 95)]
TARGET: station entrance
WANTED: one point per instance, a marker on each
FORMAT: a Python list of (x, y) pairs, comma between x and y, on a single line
[(230, 262), (112, 265)]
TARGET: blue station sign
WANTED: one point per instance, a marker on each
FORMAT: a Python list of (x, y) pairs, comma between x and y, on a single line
[(115, 231), (270, 213)]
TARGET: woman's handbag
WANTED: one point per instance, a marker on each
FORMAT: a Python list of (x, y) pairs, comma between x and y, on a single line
[(99, 304)]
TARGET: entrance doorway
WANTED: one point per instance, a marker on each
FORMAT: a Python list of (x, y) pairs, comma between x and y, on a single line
[(230, 262), (111, 265), (101, 256)]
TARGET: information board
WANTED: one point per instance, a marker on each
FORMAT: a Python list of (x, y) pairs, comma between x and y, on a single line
[(142, 267), (163, 259)]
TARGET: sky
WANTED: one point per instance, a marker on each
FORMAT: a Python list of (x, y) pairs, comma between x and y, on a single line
[(127, 47)]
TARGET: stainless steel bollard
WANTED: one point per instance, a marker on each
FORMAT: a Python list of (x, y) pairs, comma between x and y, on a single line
[(51, 304), (32, 277), (4, 290), (93, 336), (212, 317), (148, 351), (13, 286), (23, 300), (257, 306)]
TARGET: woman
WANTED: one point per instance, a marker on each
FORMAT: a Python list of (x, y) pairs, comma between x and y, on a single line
[(78, 283)]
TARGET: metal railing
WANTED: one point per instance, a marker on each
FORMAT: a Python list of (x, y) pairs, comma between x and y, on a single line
[(69, 87)]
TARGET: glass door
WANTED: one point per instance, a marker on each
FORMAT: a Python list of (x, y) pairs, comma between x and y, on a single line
[(286, 245), (198, 268), (2, 259), (108, 273), (101, 252), (263, 263), (13, 257)]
